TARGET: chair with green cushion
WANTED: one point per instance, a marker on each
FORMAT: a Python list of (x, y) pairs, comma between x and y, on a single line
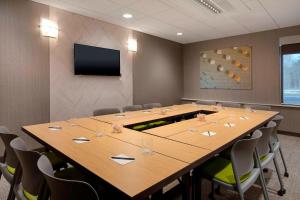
[(62, 189), (151, 105), (8, 167), (240, 173), (140, 127), (266, 152), (276, 143), (30, 186), (132, 108), (157, 123), (106, 111)]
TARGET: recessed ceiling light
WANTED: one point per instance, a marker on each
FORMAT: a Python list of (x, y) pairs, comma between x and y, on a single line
[(179, 34), (127, 16)]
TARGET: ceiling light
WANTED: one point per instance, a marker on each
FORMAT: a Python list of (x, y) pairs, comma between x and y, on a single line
[(179, 34), (209, 4), (127, 16)]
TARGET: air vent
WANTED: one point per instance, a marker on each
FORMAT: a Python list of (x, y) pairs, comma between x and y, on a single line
[(209, 4)]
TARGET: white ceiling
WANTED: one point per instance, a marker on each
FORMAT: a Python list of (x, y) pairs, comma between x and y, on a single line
[(164, 18)]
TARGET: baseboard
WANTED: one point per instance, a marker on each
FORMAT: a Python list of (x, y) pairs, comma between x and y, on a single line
[(288, 133)]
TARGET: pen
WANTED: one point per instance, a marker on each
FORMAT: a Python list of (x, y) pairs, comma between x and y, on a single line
[(81, 139), (122, 158)]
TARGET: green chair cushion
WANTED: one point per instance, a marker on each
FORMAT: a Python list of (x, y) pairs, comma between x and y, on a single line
[(56, 161), (221, 169), (11, 170), (158, 123), (29, 196), (140, 127), (263, 157)]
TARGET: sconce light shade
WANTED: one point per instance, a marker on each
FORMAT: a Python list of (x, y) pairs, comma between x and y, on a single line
[(49, 28), (132, 45)]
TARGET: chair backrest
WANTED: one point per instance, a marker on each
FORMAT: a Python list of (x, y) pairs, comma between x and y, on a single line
[(151, 105), (232, 105), (201, 102), (132, 108), (106, 111), (242, 154), (61, 189), (260, 107), (277, 119), (10, 158), (31, 177), (263, 145)]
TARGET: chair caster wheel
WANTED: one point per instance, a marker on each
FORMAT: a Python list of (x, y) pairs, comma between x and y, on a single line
[(218, 191), (265, 170), (281, 192), (286, 174), (211, 196)]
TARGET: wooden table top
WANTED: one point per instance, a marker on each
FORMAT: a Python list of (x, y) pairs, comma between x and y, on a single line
[(132, 179), (173, 149), (178, 147)]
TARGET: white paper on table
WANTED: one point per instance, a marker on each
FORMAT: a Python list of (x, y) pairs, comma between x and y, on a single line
[(80, 140), (120, 161), (210, 133), (244, 118), (229, 124)]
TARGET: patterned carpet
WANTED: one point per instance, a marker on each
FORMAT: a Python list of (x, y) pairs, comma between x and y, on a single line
[(291, 148)]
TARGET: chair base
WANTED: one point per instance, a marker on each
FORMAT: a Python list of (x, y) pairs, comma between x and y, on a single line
[(281, 192), (286, 174)]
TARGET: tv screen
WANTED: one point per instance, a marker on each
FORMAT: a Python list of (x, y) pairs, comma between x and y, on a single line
[(90, 60)]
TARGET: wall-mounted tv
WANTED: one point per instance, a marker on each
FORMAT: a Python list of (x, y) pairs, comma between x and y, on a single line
[(89, 60)]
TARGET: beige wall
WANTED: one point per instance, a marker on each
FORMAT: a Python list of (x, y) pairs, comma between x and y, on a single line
[(265, 71), (24, 65), (77, 96), (157, 71)]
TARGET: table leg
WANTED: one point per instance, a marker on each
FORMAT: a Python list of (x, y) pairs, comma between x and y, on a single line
[(187, 187), (157, 195)]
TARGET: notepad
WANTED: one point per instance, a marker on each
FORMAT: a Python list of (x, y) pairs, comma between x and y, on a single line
[(55, 128), (208, 133), (122, 162), (244, 118), (229, 124), (81, 140)]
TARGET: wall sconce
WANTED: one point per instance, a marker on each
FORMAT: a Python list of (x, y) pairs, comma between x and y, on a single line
[(132, 45), (49, 28)]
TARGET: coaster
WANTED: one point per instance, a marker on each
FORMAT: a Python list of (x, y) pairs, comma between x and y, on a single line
[(208, 133)]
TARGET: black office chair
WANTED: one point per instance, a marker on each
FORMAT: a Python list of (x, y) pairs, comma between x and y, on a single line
[(31, 184), (62, 189), (106, 111), (151, 105), (9, 166), (132, 108)]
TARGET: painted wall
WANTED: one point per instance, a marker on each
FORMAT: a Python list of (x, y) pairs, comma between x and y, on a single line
[(265, 71), (157, 71), (24, 65), (77, 96)]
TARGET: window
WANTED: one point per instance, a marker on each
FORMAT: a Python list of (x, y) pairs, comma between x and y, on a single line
[(290, 74)]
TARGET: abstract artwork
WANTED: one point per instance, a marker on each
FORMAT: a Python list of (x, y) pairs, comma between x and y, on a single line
[(228, 68)]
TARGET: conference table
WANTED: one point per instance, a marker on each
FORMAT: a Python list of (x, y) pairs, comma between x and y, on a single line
[(177, 148)]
